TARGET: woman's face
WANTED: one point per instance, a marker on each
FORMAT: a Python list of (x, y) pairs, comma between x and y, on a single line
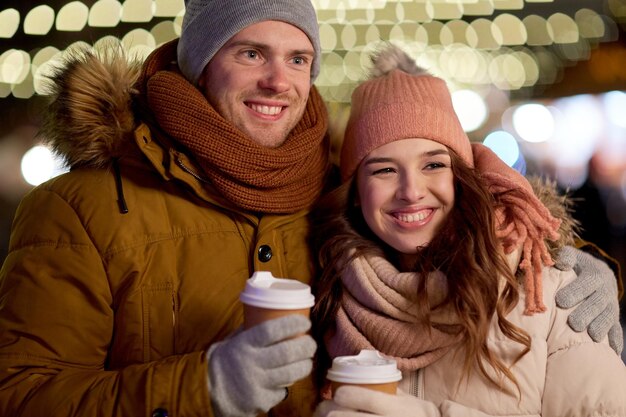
[(406, 191)]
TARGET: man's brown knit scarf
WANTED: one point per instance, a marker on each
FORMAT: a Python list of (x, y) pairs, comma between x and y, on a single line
[(255, 178), (378, 311)]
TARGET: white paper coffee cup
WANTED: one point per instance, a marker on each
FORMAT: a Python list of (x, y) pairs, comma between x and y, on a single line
[(266, 297), (369, 369)]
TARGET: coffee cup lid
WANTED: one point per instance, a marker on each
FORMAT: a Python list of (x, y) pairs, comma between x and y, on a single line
[(265, 291), (368, 367)]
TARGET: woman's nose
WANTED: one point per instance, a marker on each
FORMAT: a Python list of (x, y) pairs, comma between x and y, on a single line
[(410, 188)]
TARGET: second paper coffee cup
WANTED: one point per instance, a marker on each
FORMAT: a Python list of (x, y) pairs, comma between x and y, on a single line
[(368, 369), (266, 297)]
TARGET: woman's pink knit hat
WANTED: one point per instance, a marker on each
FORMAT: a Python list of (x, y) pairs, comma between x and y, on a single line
[(400, 101)]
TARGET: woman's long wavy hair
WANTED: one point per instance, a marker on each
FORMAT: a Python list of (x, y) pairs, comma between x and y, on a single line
[(465, 249)]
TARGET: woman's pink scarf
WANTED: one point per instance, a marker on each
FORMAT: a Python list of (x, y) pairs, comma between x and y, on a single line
[(378, 311)]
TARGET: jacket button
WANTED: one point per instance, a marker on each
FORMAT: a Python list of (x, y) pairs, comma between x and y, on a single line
[(265, 253), (160, 412)]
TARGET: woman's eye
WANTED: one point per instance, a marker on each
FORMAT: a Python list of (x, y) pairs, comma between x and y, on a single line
[(435, 165), (383, 171)]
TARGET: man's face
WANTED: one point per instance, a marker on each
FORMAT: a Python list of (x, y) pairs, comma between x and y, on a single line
[(260, 80)]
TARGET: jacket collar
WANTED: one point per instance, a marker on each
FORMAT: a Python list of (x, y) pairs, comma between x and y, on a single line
[(172, 164)]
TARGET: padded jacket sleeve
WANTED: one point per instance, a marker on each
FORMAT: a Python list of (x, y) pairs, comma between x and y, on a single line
[(583, 378)]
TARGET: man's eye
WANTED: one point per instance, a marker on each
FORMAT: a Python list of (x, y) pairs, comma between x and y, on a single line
[(299, 60), (252, 54)]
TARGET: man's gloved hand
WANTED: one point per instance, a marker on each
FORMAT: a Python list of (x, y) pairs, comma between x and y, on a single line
[(596, 291), (249, 371), (352, 401)]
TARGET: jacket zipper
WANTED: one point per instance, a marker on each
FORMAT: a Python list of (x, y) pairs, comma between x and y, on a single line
[(189, 171), (417, 384)]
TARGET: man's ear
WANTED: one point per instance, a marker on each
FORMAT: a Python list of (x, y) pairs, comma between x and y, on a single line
[(201, 80)]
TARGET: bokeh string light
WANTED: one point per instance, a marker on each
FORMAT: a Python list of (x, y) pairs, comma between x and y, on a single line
[(504, 49), (477, 46)]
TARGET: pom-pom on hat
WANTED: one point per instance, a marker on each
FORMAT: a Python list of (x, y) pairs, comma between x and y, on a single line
[(209, 24), (400, 101)]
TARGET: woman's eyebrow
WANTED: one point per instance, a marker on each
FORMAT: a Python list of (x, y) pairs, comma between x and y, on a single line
[(377, 160), (382, 159), (436, 152)]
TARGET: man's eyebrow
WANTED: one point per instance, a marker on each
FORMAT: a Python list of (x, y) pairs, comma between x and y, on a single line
[(310, 52), (247, 42), (264, 47)]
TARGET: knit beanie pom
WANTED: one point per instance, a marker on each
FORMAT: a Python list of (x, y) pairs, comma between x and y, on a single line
[(392, 58)]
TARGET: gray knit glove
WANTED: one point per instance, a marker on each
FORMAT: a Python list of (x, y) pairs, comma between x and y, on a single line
[(249, 371), (595, 289)]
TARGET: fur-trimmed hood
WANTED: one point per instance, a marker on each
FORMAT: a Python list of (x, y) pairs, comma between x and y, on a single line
[(90, 119), (560, 206)]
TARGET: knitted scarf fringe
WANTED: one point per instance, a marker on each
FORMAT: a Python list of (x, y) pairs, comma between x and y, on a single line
[(531, 224), (523, 221)]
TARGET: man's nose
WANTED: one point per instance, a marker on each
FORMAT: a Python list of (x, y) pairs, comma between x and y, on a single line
[(275, 77)]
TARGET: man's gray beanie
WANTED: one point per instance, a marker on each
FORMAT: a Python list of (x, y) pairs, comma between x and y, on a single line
[(209, 24)]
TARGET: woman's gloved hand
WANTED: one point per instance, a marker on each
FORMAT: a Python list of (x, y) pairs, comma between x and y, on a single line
[(352, 401)]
